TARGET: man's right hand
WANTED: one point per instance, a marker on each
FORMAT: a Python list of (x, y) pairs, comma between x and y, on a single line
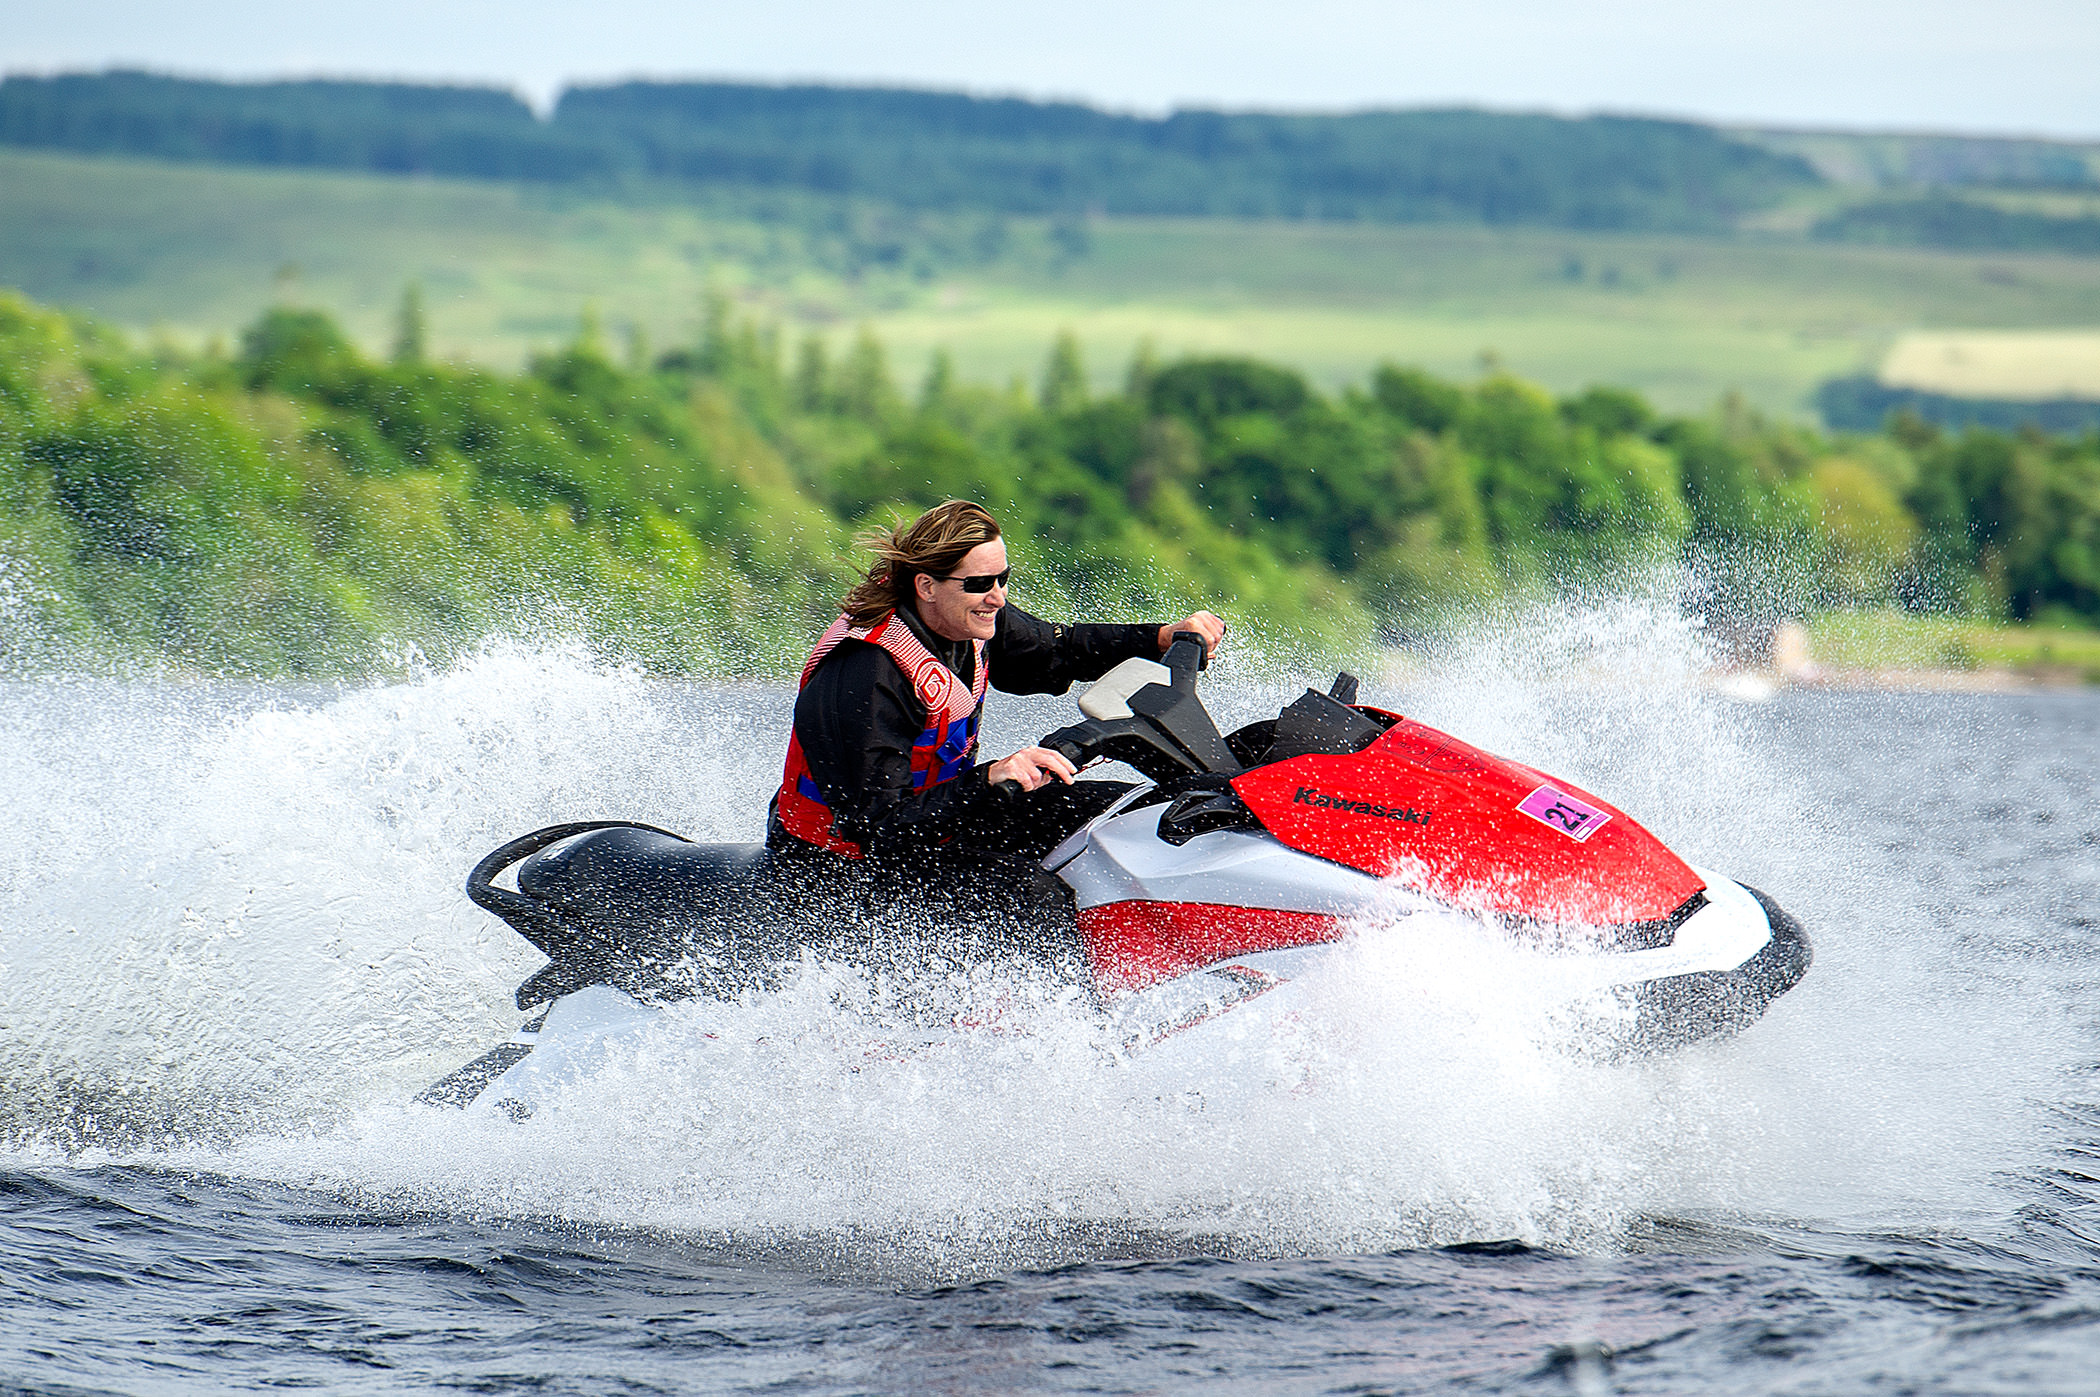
[(1032, 768), (1207, 626)]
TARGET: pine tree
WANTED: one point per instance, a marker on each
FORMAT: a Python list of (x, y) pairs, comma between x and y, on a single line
[(940, 384), (1064, 376), (411, 330), (1144, 367), (812, 376), (864, 386)]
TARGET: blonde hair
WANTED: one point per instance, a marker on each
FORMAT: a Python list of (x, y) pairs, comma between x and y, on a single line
[(933, 543)]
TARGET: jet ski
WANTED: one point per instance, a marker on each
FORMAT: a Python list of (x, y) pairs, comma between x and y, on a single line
[(1240, 865)]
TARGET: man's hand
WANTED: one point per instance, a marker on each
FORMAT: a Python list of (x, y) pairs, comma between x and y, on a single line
[(1032, 768), (1202, 623)]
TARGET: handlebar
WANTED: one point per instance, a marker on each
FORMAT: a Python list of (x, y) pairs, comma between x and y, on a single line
[(1173, 661), (1167, 733), (1011, 790)]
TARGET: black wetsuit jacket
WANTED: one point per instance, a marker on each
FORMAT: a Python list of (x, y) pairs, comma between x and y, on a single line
[(858, 717)]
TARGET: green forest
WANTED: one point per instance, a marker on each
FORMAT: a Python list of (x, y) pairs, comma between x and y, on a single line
[(920, 152), (1940, 220), (936, 150), (291, 506)]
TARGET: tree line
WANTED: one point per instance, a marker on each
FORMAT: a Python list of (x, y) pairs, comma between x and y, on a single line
[(297, 506), (918, 152), (939, 151), (1966, 225)]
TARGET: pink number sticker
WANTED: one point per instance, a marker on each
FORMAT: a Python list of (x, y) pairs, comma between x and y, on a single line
[(1571, 815)]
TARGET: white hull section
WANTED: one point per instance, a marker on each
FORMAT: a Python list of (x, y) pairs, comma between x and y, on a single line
[(1174, 1025)]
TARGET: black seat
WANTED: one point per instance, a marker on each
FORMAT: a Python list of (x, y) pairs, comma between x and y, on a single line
[(657, 875), (656, 915), (662, 918)]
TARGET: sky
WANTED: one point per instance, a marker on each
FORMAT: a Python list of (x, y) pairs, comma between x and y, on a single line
[(2021, 67)]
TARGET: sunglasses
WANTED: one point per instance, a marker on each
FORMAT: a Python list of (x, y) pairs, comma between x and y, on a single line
[(983, 582)]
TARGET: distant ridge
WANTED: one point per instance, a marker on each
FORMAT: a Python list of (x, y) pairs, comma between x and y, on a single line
[(1936, 160), (389, 128), (938, 150), (1862, 403)]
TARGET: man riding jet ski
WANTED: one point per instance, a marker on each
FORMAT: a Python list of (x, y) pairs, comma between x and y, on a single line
[(1201, 896), (880, 789)]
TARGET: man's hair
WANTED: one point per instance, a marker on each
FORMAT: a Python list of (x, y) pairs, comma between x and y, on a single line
[(932, 543)]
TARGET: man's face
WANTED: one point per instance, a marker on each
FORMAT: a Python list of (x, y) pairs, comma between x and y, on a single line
[(953, 614)]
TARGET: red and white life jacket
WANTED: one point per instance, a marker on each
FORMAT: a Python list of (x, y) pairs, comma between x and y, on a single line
[(940, 753)]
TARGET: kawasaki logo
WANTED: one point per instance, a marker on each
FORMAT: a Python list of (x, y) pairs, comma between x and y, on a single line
[(1308, 796)]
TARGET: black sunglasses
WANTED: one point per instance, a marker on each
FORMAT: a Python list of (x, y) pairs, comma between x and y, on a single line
[(983, 582)]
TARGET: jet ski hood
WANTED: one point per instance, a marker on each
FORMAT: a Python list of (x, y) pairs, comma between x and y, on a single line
[(1469, 828)]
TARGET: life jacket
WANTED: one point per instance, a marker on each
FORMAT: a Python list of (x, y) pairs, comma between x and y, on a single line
[(941, 752)]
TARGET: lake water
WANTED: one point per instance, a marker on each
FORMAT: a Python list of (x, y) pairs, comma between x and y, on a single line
[(233, 945)]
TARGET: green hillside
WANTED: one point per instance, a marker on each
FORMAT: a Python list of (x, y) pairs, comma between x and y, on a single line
[(197, 251), (1916, 160), (955, 152), (937, 150), (297, 507)]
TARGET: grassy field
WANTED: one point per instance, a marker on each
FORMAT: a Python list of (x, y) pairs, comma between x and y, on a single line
[(1880, 640), (195, 252), (1682, 319), (1997, 364)]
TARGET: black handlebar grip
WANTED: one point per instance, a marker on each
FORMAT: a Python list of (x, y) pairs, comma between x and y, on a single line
[(1202, 650), (1008, 791)]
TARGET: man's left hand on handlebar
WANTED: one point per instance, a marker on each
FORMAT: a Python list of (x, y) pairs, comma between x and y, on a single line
[(1032, 768), (1203, 623)]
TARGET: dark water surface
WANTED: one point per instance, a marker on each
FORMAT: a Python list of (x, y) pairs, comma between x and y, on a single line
[(243, 947)]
